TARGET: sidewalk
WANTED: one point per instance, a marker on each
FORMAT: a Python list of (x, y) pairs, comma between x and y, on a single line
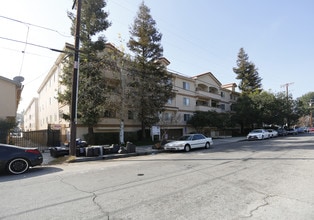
[(140, 150)]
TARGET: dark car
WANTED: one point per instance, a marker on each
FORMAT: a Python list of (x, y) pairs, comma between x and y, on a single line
[(282, 132), (17, 160)]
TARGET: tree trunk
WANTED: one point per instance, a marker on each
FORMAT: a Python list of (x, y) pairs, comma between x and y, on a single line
[(143, 131), (91, 137)]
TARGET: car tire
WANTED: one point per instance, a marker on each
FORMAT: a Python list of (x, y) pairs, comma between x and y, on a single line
[(18, 166), (187, 148), (207, 145)]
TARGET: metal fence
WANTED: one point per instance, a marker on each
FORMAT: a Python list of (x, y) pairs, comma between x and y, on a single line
[(42, 139)]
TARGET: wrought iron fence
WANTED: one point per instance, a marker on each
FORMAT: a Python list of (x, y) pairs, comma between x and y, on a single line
[(42, 139)]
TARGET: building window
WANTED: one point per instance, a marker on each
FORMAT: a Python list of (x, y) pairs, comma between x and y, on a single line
[(186, 85), (130, 115), (109, 114), (169, 102), (222, 94), (167, 116), (186, 117), (222, 107), (186, 101)]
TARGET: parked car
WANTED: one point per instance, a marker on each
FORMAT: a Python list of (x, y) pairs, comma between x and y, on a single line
[(282, 132), (189, 141), (272, 133), (292, 131), (300, 129), (258, 134), (17, 160)]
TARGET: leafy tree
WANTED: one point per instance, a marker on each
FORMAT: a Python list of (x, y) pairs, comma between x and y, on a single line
[(247, 73), (201, 120), (150, 86), (92, 85), (246, 112), (5, 126), (304, 103)]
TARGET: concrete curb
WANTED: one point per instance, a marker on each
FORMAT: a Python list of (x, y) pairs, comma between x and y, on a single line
[(147, 150)]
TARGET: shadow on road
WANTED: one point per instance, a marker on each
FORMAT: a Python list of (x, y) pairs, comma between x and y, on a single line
[(33, 172)]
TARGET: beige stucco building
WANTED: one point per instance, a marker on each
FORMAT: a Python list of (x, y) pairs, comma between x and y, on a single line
[(202, 92), (10, 96)]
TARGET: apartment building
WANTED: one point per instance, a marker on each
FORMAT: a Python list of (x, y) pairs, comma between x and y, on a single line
[(199, 93), (10, 96), (31, 116), (202, 92)]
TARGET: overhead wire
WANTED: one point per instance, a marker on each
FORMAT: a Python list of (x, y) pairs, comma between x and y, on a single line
[(34, 25)]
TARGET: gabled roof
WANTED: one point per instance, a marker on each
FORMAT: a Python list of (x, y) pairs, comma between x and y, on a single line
[(210, 75)]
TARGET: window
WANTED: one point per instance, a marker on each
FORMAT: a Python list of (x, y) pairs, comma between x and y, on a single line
[(186, 101), (109, 114), (169, 102), (186, 117), (222, 106), (222, 94), (167, 116), (130, 115), (186, 86)]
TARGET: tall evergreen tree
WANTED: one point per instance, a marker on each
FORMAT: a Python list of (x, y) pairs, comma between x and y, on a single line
[(91, 86), (247, 74), (151, 87)]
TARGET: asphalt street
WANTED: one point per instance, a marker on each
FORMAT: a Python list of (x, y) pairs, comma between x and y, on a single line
[(268, 179)]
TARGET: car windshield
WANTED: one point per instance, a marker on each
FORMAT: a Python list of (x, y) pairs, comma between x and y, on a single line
[(185, 138)]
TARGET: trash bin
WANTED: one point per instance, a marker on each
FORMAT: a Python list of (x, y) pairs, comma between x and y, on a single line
[(130, 147), (89, 152)]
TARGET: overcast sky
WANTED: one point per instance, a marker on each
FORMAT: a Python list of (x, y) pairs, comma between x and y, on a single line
[(198, 36)]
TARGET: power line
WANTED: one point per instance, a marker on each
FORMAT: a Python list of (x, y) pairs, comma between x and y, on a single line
[(34, 25), (32, 44)]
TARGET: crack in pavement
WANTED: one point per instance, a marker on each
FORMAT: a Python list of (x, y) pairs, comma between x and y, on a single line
[(93, 195)]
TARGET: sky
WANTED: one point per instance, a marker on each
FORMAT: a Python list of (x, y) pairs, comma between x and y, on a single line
[(198, 36)]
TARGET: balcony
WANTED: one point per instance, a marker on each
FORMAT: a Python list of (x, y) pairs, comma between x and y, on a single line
[(207, 95)]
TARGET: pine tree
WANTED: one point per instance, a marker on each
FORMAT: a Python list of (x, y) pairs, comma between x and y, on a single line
[(247, 73), (91, 86), (150, 87)]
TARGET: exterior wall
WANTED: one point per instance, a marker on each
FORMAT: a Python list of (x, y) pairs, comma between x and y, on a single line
[(49, 109), (30, 116), (204, 92), (199, 93), (9, 97)]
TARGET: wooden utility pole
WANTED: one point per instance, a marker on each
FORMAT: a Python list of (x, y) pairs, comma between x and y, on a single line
[(75, 78), (287, 88)]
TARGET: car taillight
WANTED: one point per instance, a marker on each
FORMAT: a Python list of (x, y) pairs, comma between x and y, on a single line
[(32, 151)]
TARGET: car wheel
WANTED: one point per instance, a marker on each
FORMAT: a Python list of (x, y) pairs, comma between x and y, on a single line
[(187, 148), (207, 145), (18, 166)]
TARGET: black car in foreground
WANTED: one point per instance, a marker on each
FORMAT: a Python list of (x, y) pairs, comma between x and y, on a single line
[(17, 160)]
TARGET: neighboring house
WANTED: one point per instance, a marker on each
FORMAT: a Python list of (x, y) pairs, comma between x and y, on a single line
[(10, 96), (199, 93)]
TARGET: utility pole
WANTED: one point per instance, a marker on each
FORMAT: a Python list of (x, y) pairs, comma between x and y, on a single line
[(75, 78), (287, 88), (311, 115)]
